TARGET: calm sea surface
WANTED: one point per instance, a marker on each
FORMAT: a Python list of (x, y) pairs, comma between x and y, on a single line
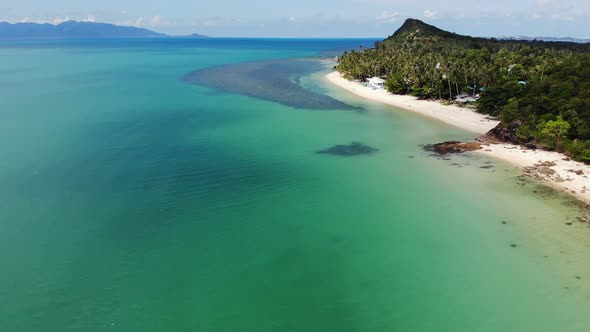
[(175, 185)]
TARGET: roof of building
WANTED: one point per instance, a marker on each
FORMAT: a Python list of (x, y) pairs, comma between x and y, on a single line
[(376, 80)]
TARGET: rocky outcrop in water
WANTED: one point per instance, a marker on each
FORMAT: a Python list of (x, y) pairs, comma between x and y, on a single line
[(453, 147), (352, 149)]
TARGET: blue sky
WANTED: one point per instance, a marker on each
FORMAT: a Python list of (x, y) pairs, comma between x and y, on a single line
[(315, 18)]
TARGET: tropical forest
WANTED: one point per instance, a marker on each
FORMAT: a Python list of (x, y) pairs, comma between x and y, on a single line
[(540, 91)]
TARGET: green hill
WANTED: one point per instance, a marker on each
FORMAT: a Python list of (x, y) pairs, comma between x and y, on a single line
[(416, 31), (413, 29)]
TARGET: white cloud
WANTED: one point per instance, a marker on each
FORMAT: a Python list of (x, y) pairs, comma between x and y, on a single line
[(429, 14), (138, 21), (545, 3), (89, 18), (28, 19), (155, 20), (556, 11), (55, 20), (387, 16)]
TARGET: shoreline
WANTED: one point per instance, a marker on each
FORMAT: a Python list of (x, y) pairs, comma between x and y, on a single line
[(460, 117), (548, 167)]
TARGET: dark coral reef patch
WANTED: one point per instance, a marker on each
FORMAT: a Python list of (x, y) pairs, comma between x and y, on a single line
[(347, 150)]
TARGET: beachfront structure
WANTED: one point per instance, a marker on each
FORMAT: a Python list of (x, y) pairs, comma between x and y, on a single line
[(465, 98), (376, 82)]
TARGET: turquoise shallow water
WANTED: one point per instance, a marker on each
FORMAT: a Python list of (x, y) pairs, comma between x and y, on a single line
[(133, 201)]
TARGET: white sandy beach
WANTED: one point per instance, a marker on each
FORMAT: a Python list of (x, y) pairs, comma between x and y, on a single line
[(453, 115), (556, 169), (565, 177)]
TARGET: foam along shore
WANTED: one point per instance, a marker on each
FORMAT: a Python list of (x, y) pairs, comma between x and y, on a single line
[(552, 168)]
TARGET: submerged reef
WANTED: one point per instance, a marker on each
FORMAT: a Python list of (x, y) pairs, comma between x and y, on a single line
[(352, 149), (277, 81)]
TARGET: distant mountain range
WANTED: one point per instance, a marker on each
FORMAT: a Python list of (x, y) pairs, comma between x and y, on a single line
[(74, 29), (549, 39)]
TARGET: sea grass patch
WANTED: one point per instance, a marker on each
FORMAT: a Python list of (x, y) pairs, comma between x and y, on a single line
[(348, 150)]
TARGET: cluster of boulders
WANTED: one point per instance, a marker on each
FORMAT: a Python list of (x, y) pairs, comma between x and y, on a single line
[(507, 134), (543, 171), (578, 171)]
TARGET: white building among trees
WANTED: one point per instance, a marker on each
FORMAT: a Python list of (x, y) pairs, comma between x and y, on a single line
[(376, 82)]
